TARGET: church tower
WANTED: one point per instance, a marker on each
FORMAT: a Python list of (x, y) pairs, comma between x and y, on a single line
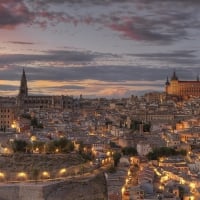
[(23, 90), (167, 85)]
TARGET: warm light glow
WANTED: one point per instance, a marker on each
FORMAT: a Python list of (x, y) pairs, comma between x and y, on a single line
[(192, 198), (57, 150), (2, 175), (108, 153), (45, 174), (22, 176), (182, 181), (37, 150), (6, 150), (192, 185), (62, 172), (163, 179), (13, 125), (90, 87), (123, 190), (161, 187), (33, 138), (161, 159), (157, 172)]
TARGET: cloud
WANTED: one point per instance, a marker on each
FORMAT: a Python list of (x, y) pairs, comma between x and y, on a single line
[(152, 30), (161, 23), (13, 13), (21, 42), (156, 22), (109, 81), (106, 2), (109, 74), (180, 54), (94, 88), (66, 65), (67, 57), (56, 58), (181, 57), (9, 87)]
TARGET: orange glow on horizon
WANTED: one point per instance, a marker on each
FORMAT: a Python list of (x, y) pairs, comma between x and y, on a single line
[(76, 87)]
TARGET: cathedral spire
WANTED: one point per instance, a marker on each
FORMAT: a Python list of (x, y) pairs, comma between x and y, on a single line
[(174, 77), (23, 90), (167, 81)]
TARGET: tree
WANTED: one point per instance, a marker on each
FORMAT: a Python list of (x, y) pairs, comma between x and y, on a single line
[(86, 154), (135, 125), (129, 151), (113, 145), (50, 147), (26, 115), (181, 192), (63, 145), (19, 146), (39, 145), (164, 151), (147, 127), (80, 147), (35, 123), (116, 158)]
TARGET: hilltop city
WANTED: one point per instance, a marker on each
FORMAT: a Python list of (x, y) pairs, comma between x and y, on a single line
[(142, 147)]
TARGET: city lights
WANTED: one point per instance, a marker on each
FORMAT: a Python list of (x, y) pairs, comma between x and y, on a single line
[(63, 172), (45, 175), (22, 176)]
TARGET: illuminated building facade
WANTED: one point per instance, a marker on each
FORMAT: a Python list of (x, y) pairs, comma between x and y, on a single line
[(7, 112), (182, 89)]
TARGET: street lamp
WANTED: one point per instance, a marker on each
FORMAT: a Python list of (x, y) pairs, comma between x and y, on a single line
[(62, 172), (2, 176), (45, 175), (22, 176)]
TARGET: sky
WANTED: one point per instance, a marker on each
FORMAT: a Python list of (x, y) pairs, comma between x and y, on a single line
[(97, 48)]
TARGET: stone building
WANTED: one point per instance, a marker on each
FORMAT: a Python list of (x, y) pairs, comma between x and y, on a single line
[(7, 112), (24, 100), (182, 89)]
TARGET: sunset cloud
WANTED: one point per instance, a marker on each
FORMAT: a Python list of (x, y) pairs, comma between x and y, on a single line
[(20, 42), (106, 48), (13, 13), (155, 25)]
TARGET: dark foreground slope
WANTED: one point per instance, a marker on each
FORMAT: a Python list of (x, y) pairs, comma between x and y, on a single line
[(89, 189)]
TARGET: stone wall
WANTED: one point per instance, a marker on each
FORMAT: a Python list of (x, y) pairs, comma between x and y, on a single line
[(93, 188), (31, 192), (9, 192)]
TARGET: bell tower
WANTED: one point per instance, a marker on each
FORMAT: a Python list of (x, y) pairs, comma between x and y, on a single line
[(23, 90)]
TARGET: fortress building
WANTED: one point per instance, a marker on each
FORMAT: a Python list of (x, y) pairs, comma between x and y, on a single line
[(182, 89)]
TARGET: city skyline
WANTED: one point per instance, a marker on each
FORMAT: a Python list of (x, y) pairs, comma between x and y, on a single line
[(97, 48)]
